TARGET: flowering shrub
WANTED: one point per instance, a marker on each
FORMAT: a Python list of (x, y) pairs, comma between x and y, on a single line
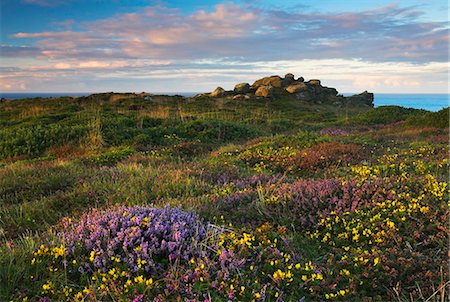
[(366, 223), (326, 155), (139, 237), (159, 254), (291, 218), (307, 160), (399, 239), (120, 247)]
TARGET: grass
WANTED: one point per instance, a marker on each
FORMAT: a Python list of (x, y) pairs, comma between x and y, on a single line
[(294, 195)]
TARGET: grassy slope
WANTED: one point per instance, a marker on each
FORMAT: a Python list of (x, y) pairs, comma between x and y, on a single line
[(59, 157)]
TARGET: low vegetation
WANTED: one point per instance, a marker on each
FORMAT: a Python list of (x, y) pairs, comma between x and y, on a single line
[(209, 199)]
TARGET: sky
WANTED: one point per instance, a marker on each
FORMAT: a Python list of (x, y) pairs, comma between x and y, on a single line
[(381, 46)]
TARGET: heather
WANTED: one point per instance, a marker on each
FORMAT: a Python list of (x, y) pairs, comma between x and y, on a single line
[(204, 200)]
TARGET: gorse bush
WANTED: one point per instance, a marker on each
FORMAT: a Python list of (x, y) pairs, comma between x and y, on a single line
[(386, 115), (150, 254), (440, 119), (216, 130), (34, 140), (112, 156), (97, 201)]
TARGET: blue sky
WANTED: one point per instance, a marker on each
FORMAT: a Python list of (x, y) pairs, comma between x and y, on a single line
[(179, 46)]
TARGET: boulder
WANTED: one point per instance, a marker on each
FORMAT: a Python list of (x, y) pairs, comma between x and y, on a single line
[(288, 80), (297, 87), (242, 88), (274, 81), (304, 96), (202, 95), (219, 91), (314, 82), (365, 98), (289, 76), (240, 97), (264, 91)]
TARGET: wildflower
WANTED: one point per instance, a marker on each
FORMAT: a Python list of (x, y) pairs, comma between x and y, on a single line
[(376, 261), (139, 279), (47, 286), (279, 275), (59, 251)]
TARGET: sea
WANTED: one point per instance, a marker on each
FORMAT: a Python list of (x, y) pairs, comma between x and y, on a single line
[(430, 102)]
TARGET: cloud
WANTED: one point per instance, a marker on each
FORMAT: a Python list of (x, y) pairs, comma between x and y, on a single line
[(205, 75), (390, 33), (10, 51), (383, 48), (45, 2)]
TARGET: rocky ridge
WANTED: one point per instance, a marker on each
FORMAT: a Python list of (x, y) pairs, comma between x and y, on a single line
[(274, 87)]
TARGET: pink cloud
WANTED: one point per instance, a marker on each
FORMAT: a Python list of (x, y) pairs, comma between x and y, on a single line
[(230, 30), (47, 34), (228, 20)]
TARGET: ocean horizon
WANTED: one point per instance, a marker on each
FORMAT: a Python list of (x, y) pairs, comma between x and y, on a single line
[(426, 101)]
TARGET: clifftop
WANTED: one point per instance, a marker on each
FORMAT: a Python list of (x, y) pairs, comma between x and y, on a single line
[(274, 87)]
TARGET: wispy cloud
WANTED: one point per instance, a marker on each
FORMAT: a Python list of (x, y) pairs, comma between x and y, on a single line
[(205, 75), (44, 2), (386, 34)]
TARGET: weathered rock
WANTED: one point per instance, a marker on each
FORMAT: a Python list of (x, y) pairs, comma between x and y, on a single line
[(240, 97), (304, 96), (242, 88), (264, 91), (365, 98), (202, 95), (289, 76), (274, 87), (314, 82), (297, 87), (219, 91), (274, 81), (288, 80)]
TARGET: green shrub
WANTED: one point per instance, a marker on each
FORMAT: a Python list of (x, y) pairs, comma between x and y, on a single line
[(215, 130), (34, 140), (386, 115), (438, 119), (111, 156), (281, 125)]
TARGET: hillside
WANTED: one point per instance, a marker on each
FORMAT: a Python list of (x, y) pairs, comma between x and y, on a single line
[(292, 193)]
